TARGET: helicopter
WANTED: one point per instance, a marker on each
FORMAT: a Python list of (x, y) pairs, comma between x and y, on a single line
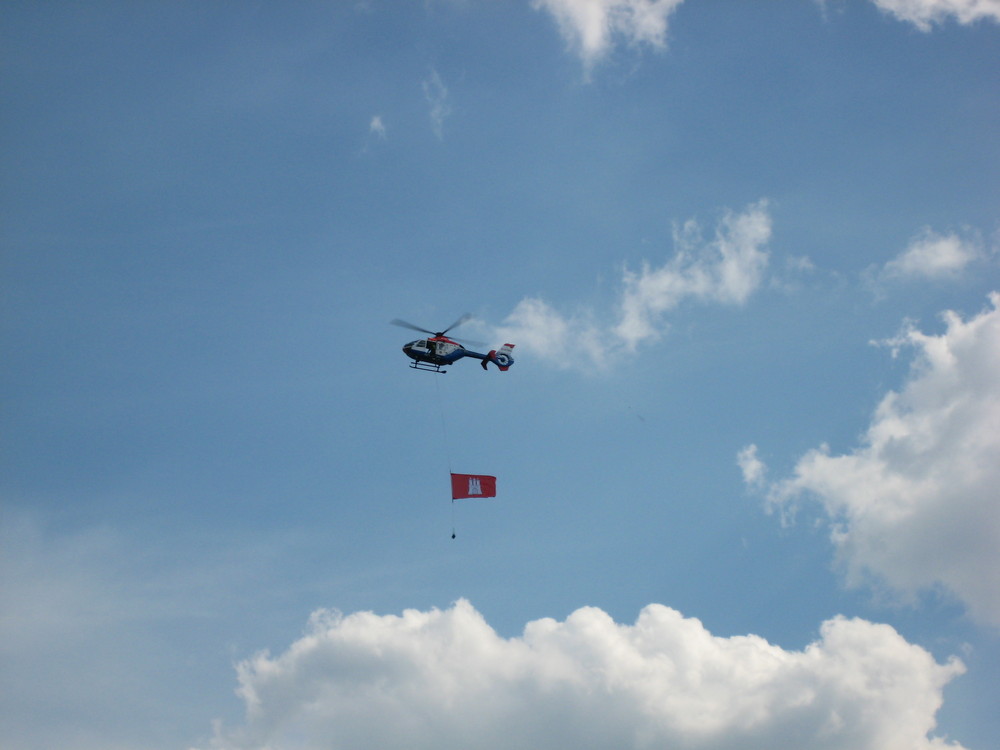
[(437, 350)]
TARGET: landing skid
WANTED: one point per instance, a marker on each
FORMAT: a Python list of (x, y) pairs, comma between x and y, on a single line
[(427, 367)]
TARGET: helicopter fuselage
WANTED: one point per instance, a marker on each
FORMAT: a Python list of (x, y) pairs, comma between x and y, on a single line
[(436, 352)]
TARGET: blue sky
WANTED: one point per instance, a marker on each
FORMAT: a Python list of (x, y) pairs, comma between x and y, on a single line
[(746, 458)]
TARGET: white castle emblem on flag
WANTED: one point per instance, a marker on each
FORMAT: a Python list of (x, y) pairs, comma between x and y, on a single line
[(474, 488)]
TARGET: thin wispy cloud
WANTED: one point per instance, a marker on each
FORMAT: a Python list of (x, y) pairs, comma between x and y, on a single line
[(914, 505), (925, 13), (564, 340), (934, 256), (436, 94), (929, 257), (754, 470), (377, 127), (591, 28), (725, 269), (445, 679)]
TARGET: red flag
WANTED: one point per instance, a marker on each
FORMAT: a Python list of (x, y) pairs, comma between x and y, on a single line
[(472, 485)]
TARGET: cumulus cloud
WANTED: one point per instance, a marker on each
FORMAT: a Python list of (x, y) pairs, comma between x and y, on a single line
[(591, 27), (924, 13), (725, 269), (436, 94), (915, 505), (446, 679), (934, 256)]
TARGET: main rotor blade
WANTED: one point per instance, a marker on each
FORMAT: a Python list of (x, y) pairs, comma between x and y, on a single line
[(467, 341), (404, 324), (457, 323)]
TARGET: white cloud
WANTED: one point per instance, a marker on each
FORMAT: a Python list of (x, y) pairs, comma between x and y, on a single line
[(934, 256), (751, 466), (377, 127), (915, 505), (590, 27), (924, 13), (726, 269), (445, 679), (437, 97), (566, 341)]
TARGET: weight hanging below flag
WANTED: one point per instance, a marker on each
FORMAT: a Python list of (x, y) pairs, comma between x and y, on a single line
[(472, 485)]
